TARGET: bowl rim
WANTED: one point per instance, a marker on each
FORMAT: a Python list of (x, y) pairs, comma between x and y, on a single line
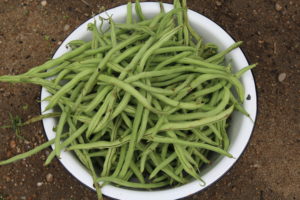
[(121, 193)]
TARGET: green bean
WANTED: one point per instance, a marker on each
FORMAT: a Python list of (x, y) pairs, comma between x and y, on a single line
[(121, 160), (203, 137), (101, 144), (138, 28), (67, 87), (153, 89), (171, 81), (192, 61), (59, 60), (129, 13), (91, 52), (160, 178), (180, 134), (95, 120), (179, 69), (166, 19), (172, 59), (238, 106), (163, 50), (30, 152), (123, 105), (76, 43), (197, 115), (112, 33), (144, 121), (157, 45), (179, 18), (126, 120), (128, 175), (162, 165), (100, 134), (216, 131), (186, 165), (40, 117), (183, 105), (111, 151), (132, 184), (67, 142), (223, 53), (52, 71), (59, 130), (164, 151), (205, 77), (169, 140), (133, 139), (137, 172), (205, 91), (214, 97), (185, 83), (145, 153), (138, 10), (224, 134), (165, 77), (192, 124), (27, 79), (98, 99), (137, 57), (186, 36), (167, 169), (156, 104), (201, 156), (243, 70), (78, 153), (157, 126), (128, 88), (98, 153), (128, 52), (105, 120)]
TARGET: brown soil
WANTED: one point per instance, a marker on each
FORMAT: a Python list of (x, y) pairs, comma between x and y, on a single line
[(269, 168)]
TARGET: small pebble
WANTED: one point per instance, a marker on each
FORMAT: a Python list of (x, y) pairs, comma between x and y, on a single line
[(26, 142), (278, 7), (49, 177), (281, 77), (218, 3), (7, 179), (43, 3), (12, 144), (39, 184), (233, 189), (66, 27), (59, 42)]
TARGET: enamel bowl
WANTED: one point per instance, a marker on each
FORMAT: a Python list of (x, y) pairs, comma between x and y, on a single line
[(240, 129)]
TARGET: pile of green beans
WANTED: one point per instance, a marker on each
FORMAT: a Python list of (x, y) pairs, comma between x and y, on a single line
[(143, 103)]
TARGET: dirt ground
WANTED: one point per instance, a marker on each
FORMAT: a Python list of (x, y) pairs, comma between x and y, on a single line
[(31, 31)]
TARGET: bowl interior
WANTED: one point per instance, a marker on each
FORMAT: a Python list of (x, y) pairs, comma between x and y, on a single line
[(239, 131)]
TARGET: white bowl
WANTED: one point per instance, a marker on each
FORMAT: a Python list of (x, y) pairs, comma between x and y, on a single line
[(239, 132)]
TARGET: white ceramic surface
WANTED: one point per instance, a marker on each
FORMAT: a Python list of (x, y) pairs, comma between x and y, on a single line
[(239, 132)]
